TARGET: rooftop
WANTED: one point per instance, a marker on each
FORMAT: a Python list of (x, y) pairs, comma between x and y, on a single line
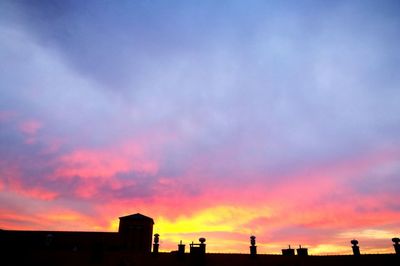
[(136, 216)]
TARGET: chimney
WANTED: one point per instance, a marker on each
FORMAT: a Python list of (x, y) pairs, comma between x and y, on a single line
[(356, 249), (253, 247)]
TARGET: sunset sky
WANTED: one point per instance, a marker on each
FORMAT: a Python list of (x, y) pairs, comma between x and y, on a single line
[(218, 119)]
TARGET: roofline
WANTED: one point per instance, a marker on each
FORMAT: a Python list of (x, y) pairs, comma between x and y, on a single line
[(56, 231), (139, 214)]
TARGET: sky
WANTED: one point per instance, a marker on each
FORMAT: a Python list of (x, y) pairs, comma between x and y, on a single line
[(218, 119)]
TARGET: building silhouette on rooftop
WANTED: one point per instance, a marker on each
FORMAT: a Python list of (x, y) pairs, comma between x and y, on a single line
[(134, 234)]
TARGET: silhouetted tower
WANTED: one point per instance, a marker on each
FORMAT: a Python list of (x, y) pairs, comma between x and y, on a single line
[(253, 247), (136, 232), (302, 251), (396, 245), (155, 245), (181, 249), (356, 249), (288, 252)]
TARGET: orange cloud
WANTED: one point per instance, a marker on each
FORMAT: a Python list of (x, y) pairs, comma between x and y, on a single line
[(71, 220)]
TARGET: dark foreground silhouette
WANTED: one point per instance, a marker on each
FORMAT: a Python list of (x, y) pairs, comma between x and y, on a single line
[(119, 258), (132, 245)]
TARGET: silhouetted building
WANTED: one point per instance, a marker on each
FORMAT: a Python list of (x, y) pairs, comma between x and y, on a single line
[(198, 249), (302, 251), (288, 252), (135, 234)]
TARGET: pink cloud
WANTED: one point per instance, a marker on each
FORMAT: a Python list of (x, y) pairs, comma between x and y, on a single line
[(109, 168), (6, 115), (14, 181), (53, 145), (39, 193), (311, 206), (11, 219), (30, 127), (16, 185), (312, 198), (106, 163)]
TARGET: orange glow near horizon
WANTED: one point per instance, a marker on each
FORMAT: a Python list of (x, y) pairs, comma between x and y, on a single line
[(226, 228), (313, 207)]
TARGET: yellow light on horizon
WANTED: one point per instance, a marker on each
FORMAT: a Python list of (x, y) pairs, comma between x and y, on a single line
[(368, 233), (215, 219)]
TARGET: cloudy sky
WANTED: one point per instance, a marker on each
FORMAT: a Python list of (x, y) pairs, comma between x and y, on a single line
[(219, 119)]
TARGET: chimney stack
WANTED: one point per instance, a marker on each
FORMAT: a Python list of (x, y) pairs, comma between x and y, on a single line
[(288, 252), (356, 249), (253, 247), (156, 245), (302, 251)]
